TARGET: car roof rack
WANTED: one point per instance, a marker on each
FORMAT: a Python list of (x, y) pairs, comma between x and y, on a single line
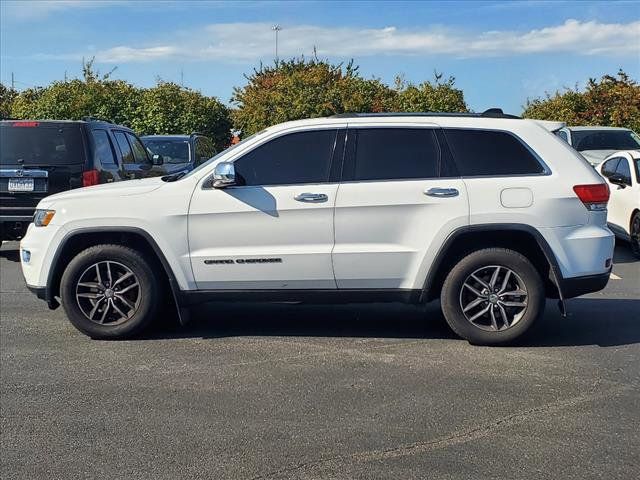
[(91, 118), (197, 133), (489, 113)]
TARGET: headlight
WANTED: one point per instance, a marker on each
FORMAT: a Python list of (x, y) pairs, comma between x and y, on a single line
[(42, 218)]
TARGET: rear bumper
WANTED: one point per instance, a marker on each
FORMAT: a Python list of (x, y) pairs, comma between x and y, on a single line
[(576, 286)]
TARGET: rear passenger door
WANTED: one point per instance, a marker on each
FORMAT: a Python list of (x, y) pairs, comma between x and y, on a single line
[(398, 201), (135, 161)]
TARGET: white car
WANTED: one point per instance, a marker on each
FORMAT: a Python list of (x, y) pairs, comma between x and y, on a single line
[(487, 212), (597, 143), (622, 171)]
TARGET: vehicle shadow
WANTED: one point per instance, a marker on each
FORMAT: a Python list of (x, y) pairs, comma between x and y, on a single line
[(13, 255), (623, 254), (591, 321)]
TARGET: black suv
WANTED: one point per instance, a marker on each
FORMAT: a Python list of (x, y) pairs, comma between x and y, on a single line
[(42, 157), (179, 152)]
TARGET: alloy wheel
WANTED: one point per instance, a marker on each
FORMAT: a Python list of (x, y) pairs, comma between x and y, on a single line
[(108, 293), (493, 298)]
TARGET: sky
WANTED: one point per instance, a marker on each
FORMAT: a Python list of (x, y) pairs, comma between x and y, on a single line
[(500, 53)]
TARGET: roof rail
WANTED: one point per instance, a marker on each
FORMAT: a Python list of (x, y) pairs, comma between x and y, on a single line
[(490, 113), (197, 133), (90, 118)]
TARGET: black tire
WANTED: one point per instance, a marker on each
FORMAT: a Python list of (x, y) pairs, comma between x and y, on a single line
[(452, 297), (137, 318), (634, 229)]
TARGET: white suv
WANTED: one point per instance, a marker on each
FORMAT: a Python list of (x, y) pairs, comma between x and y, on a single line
[(487, 212)]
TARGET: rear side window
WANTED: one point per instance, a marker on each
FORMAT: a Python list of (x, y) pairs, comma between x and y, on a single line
[(302, 157), (103, 148), (38, 144), (624, 171), (125, 149), (490, 153), (394, 154)]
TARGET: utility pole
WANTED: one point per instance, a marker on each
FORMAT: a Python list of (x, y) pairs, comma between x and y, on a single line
[(13, 83), (182, 77), (276, 28)]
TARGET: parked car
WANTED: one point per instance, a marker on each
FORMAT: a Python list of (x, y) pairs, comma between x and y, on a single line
[(622, 171), (597, 143), (486, 212), (41, 157), (180, 152)]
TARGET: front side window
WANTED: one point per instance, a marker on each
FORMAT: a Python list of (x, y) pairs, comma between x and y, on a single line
[(490, 153), (125, 148), (103, 149), (624, 171), (394, 154), (139, 153), (301, 157), (609, 167)]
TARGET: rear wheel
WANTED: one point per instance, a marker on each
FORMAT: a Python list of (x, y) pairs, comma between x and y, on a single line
[(635, 234), (109, 292), (492, 296)]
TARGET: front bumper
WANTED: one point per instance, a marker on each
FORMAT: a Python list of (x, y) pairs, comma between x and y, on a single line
[(43, 294), (576, 286)]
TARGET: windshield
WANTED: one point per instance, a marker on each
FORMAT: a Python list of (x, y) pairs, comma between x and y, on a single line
[(41, 145), (605, 140), (172, 151), (223, 152)]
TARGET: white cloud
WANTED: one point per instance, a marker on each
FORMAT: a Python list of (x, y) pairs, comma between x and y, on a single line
[(23, 10), (252, 41)]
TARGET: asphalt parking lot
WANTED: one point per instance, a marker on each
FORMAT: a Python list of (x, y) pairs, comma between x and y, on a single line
[(286, 391)]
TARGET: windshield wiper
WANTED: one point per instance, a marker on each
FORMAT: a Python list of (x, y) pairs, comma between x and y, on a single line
[(174, 176)]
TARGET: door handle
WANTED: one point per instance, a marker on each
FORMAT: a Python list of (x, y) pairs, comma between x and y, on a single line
[(311, 197), (442, 192)]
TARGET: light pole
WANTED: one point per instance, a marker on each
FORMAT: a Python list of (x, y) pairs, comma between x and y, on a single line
[(276, 28)]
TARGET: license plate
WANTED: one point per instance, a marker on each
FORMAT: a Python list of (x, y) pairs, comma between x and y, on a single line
[(21, 184)]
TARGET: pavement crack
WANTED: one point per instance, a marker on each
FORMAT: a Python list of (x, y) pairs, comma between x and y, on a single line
[(461, 436)]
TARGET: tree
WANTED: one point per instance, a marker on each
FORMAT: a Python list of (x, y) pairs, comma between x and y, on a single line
[(612, 101), (170, 108), (7, 97), (436, 96), (306, 88), (165, 108)]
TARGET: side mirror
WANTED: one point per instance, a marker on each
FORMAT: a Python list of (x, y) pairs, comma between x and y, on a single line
[(224, 175), (156, 159), (618, 179)]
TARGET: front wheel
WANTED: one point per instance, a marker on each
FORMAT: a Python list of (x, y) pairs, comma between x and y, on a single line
[(635, 234), (109, 292), (492, 296)]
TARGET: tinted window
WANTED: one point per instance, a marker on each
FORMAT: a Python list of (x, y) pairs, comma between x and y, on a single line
[(563, 135), (139, 153), (125, 149), (204, 150), (302, 157), (487, 152), (395, 153), (624, 171), (605, 140), (41, 145), (609, 167), (172, 151), (103, 149)]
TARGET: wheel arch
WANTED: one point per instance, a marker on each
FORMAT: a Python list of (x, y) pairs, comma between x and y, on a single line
[(522, 238), (137, 238)]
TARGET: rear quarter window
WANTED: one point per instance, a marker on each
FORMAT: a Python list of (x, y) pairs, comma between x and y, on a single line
[(490, 153)]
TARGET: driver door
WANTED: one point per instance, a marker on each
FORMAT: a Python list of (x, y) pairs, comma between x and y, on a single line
[(274, 228)]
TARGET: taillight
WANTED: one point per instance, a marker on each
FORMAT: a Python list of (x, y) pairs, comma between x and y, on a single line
[(90, 177), (25, 124), (594, 196)]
